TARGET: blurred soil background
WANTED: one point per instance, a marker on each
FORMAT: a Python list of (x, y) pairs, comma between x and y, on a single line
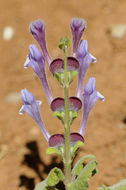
[(23, 161)]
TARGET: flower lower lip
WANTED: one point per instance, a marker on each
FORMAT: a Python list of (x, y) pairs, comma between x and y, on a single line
[(57, 140)]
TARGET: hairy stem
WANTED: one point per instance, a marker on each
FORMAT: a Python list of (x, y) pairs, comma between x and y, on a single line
[(67, 154)]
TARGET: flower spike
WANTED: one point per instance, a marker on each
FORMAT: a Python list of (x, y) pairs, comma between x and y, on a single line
[(84, 59), (90, 97), (37, 28), (77, 26), (32, 108), (36, 62)]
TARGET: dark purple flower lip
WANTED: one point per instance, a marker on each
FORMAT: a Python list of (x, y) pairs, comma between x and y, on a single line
[(73, 63), (75, 103), (58, 104), (57, 65), (76, 137), (57, 140)]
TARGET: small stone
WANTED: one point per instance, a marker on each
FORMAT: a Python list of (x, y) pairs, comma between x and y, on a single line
[(3, 150), (34, 131), (117, 31), (17, 140), (121, 126), (8, 33), (13, 97)]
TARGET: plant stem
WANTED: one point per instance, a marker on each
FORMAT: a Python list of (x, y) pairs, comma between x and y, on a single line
[(67, 154)]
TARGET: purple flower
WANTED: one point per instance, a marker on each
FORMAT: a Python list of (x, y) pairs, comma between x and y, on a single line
[(36, 62), (84, 59), (32, 108), (77, 26), (90, 97), (37, 28)]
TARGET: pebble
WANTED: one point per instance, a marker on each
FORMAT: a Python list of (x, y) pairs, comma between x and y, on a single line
[(3, 150), (121, 126), (117, 31), (35, 131), (13, 97), (8, 33)]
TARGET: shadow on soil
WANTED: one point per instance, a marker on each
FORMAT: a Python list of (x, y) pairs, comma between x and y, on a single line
[(35, 162)]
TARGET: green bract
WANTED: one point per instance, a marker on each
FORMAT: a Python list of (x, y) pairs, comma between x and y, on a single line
[(60, 76), (60, 115)]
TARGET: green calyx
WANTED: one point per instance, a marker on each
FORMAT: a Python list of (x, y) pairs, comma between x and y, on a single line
[(61, 115), (60, 149), (60, 76)]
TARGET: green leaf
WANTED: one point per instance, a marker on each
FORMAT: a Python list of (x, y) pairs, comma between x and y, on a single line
[(64, 43), (41, 186), (119, 186), (76, 147), (60, 115), (53, 150), (82, 180), (67, 42), (79, 165), (72, 116), (59, 77), (73, 74), (54, 177)]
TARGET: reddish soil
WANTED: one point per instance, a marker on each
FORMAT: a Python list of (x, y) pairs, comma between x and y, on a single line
[(24, 162)]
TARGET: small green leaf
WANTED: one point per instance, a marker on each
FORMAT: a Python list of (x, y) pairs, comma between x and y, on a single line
[(67, 42), (54, 177), (41, 186), (59, 77), (104, 187), (60, 115), (79, 165), (72, 116), (53, 150), (76, 147), (73, 74), (64, 43), (119, 186), (82, 180)]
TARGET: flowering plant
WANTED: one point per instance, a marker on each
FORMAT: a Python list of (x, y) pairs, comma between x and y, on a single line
[(65, 108)]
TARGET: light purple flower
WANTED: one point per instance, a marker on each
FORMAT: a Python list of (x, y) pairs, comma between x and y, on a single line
[(32, 108), (37, 28), (36, 62), (84, 59), (90, 97), (77, 26)]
